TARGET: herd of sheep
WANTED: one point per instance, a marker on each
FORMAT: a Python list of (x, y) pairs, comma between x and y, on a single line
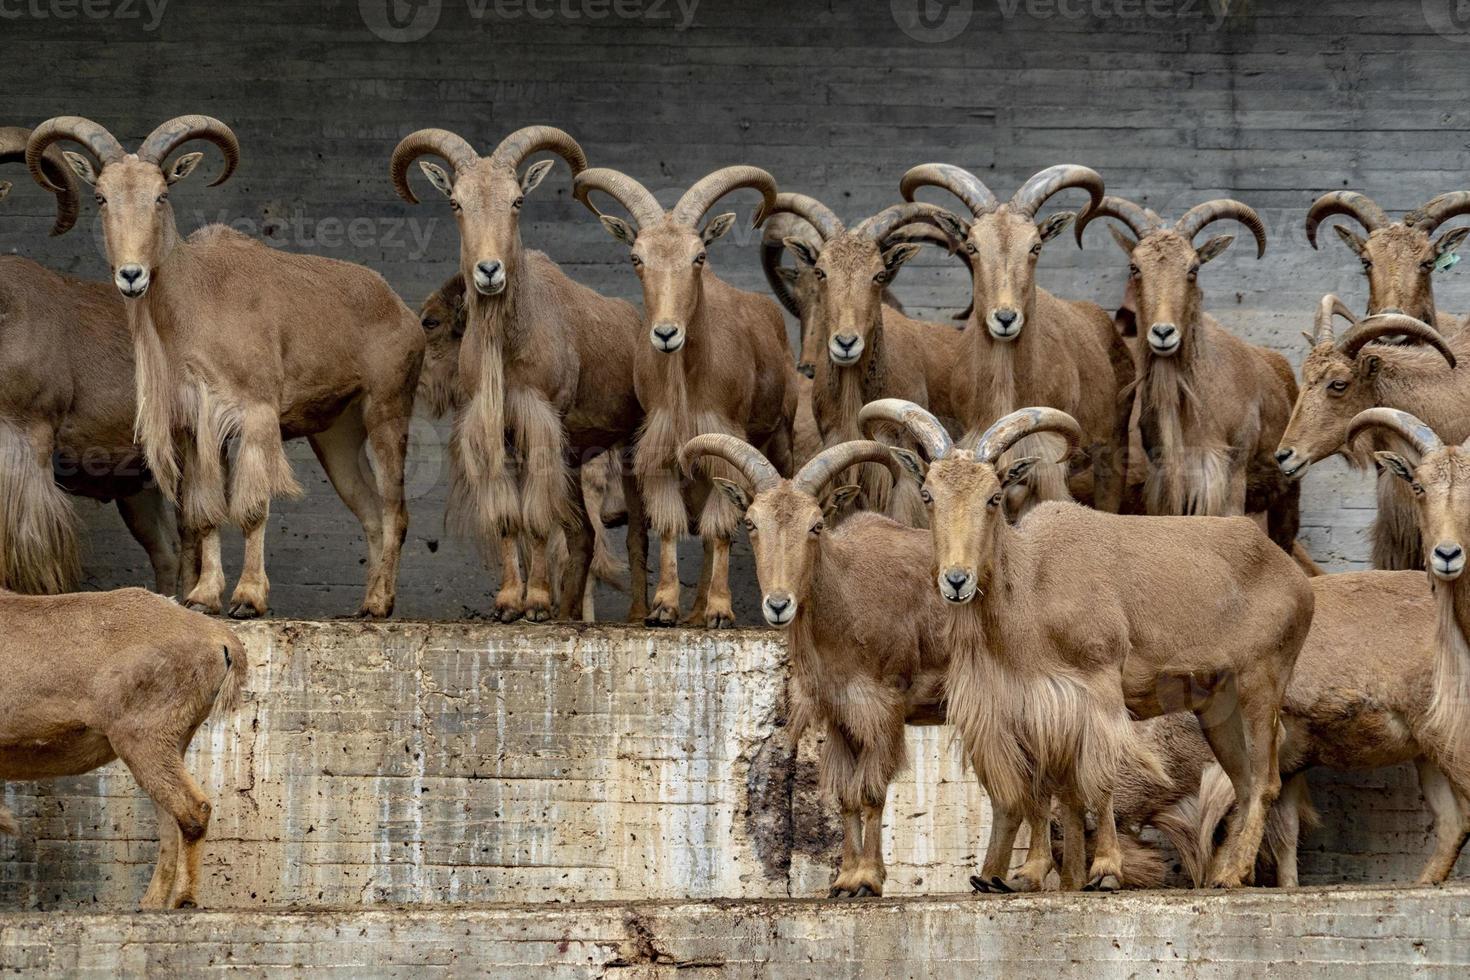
[(1069, 533)]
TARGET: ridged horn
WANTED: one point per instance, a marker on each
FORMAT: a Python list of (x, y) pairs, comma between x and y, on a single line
[(710, 188), (1373, 328), (96, 140), (1438, 210), (515, 148), (830, 463), (1036, 191), (57, 171), (169, 136), (737, 452), (1010, 429), (1140, 220), (878, 227), (1360, 207), (957, 180), (1221, 208), (1329, 307), (918, 422), (449, 147), (621, 188), (810, 210), (1410, 427)]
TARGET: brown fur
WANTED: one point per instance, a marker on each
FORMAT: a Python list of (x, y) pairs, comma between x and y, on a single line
[(135, 678)]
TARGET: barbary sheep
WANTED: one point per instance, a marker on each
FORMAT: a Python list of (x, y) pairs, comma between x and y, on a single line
[(235, 341), (133, 678), (716, 359)]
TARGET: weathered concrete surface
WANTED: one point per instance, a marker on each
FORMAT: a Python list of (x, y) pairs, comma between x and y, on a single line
[(1311, 933), (409, 762)]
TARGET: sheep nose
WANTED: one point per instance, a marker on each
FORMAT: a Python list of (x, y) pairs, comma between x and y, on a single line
[(488, 269), (1448, 552), (1005, 317), (779, 608), (846, 341), (665, 331), (1282, 455), (777, 603), (1164, 332), (131, 273), (957, 578)]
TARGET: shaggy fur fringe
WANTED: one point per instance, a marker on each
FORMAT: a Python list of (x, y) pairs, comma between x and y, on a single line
[(38, 532)]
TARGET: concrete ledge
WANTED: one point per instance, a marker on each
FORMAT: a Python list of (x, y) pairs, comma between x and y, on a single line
[(1308, 933)]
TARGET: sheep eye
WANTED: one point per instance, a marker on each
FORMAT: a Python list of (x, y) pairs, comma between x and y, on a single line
[(1036, 249), (995, 500), (925, 495), (819, 274), (1367, 265), (518, 202), (1418, 488), (881, 279), (430, 323), (454, 205), (1193, 273), (635, 259), (749, 524), (163, 198), (101, 201), (699, 259), (970, 247), (1132, 271), (817, 527), (1338, 386)]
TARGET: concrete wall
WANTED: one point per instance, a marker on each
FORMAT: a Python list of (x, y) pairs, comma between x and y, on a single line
[(1275, 104), (469, 763), (1291, 935)]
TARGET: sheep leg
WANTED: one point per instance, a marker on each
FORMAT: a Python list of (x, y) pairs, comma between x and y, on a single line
[(1031, 875), (508, 601), (719, 610), (665, 610), (637, 540), (388, 438), (1004, 822), (1074, 845), (1244, 743), (159, 770), (870, 871), (852, 842), (153, 523), (340, 450), (1450, 827), (581, 541), (188, 558), (701, 594), (166, 870), (210, 585), (251, 598), (1106, 872), (538, 580), (1286, 815)]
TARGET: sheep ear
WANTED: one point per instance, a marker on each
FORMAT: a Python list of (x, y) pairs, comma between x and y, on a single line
[(1351, 240), (437, 177), (1125, 241), (952, 225), (619, 229), (1368, 365), (1397, 464), (1054, 225), (1214, 247), (898, 255), (1018, 471), (801, 249), (536, 173), (840, 500), (183, 167), (80, 166), (910, 461), (1450, 241), (718, 227), (733, 492)]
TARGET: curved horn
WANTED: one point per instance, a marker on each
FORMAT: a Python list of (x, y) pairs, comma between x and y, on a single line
[(810, 210), (827, 465), (1010, 429), (1221, 208), (1373, 328), (772, 248), (173, 134), (1438, 210), (878, 227), (926, 430), (1139, 219), (1414, 432), (514, 149), (711, 187), (1035, 192), (1361, 208), (449, 147), (923, 233), (737, 452), (1329, 307), (621, 188), (957, 180), (97, 141), (54, 167)]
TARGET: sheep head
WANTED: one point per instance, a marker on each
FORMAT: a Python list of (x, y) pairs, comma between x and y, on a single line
[(964, 489), (1440, 478), (1164, 263), (1339, 381), (667, 249), (785, 518), (138, 225), (443, 316), (485, 193), (1399, 257), (1004, 241)]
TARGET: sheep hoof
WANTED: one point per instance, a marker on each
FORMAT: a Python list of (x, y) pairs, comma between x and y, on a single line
[(662, 616), (244, 610), (186, 903), (980, 884), (864, 892), (1103, 883), (203, 607), (835, 892), (506, 614), (538, 614), (719, 621)]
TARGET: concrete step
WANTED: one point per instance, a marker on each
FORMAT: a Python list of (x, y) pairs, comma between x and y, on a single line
[(1341, 933), (468, 762)]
